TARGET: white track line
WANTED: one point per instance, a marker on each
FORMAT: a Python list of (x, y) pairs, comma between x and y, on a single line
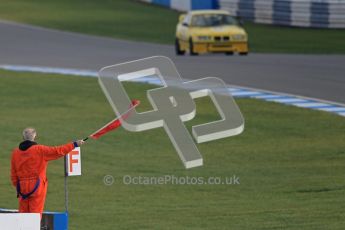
[(236, 91)]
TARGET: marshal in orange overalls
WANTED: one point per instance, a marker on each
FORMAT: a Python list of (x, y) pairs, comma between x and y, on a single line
[(28, 167)]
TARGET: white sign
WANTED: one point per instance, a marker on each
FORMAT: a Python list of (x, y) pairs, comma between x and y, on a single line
[(73, 162), (20, 221)]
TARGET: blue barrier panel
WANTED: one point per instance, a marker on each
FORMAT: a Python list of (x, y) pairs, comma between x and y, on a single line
[(162, 2), (319, 14), (204, 4), (55, 220), (246, 9), (61, 221), (281, 12)]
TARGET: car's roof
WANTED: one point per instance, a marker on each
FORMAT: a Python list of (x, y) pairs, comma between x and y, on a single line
[(195, 12)]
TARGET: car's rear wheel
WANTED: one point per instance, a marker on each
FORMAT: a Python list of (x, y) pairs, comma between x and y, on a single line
[(229, 53), (191, 48), (243, 53), (178, 48)]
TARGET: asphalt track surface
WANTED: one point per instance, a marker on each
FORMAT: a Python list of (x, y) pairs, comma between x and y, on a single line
[(317, 76)]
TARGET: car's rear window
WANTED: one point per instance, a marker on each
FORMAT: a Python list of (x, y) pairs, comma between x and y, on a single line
[(207, 20)]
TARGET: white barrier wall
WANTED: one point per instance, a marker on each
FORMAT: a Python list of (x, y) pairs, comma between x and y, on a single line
[(20, 221), (304, 13)]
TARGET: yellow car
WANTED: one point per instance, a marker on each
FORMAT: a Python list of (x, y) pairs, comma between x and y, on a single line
[(203, 31)]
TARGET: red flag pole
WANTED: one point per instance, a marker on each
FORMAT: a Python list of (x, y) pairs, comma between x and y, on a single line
[(115, 123)]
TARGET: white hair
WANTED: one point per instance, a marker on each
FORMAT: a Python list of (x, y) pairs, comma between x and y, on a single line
[(29, 134)]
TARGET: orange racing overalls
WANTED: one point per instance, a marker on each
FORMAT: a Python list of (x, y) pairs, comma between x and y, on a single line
[(28, 173)]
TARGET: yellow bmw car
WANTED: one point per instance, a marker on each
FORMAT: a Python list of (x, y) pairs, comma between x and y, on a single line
[(204, 31)]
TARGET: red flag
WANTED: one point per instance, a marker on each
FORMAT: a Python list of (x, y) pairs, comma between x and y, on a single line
[(114, 123)]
